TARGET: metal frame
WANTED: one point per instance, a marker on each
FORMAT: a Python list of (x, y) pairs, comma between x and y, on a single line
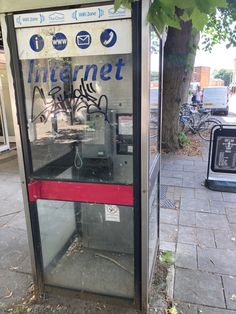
[(24, 153), (136, 24), (145, 151)]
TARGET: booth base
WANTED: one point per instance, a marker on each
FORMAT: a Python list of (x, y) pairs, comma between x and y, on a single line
[(95, 271), (220, 185)]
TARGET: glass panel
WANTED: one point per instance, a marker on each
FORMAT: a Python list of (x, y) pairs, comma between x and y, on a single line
[(88, 247), (154, 97), (79, 112), (153, 226)]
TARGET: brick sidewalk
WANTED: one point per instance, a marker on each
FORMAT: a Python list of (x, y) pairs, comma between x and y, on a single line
[(199, 225)]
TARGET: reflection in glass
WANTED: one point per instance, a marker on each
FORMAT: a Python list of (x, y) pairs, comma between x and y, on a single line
[(154, 97), (79, 112), (2, 130), (88, 247)]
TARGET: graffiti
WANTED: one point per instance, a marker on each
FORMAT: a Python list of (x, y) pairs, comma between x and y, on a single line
[(58, 101)]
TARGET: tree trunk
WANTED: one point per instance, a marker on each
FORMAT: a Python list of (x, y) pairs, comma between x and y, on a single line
[(179, 56)]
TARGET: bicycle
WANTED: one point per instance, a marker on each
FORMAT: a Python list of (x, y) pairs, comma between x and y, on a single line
[(196, 121)]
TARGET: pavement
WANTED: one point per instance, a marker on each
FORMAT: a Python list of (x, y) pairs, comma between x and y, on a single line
[(15, 269), (197, 224)]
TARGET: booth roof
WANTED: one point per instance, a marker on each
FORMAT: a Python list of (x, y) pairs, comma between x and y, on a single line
[(24, 5)]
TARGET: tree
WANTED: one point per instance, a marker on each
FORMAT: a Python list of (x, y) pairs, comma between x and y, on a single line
[(225, 75), (221, 27), (184, 18)]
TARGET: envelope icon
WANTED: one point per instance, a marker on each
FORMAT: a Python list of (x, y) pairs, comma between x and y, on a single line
[(83, 40)]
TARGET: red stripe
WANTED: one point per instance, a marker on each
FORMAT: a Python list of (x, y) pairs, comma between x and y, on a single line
[(81, 192)]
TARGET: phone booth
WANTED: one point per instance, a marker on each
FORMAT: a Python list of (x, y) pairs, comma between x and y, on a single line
[(86, 92)]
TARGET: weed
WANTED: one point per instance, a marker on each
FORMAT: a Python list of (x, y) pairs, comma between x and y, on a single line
[(183, 139)]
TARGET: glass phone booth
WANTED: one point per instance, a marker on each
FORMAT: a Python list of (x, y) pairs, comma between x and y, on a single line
[(87, 87)]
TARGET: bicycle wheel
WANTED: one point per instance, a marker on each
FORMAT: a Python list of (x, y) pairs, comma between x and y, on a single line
[(204, 129), (186, 124)]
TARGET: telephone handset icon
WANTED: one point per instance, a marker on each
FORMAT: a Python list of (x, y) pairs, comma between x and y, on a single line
[(108, 38), (111, 36)]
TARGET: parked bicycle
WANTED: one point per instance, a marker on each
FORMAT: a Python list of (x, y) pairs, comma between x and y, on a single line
[(197, 121)]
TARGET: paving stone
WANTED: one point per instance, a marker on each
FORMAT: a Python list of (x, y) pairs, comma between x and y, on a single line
[(9, 207), (225, 239), (13, 282), (5, 219), (187, 218), (188, 193), (184, 162), (205, 238), (171, 181), (229, 283), (13, 247), (186, 256), (168, 233), (212, 221), (231, 215), (195, 168), (167, 246), (207, 194), (187, 235), (25, 266), (233, 229), (213, 310), (18, 222), (230, 205), (169, 216), (193, 205), (217, 207), (173, 167), (172, 174), (189, 182), (177, 192), (197, 287), (217, 260), (229, 197), (186, 308)]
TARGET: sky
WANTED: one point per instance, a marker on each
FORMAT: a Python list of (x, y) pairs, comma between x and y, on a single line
[(219, 58)]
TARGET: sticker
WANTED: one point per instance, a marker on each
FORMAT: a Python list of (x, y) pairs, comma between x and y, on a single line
[(80, 15), (125, 125), (112, 213), (59, 41), (108, 38), (36, 43), (83, 40), (130, 149)]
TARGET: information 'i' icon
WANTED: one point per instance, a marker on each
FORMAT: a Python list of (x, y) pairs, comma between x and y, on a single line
[(36, 43)]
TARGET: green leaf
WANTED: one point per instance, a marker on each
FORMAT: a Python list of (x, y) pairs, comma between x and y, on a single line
[(167, 257), (124, 3), (199, 19), (117, 4)]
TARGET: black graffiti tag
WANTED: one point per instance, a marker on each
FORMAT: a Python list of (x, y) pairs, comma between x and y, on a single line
[(82, 98)]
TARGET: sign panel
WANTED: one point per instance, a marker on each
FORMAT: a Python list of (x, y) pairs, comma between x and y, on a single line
[(224, 151), (112, 213), (70, 16), (88, 39)]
